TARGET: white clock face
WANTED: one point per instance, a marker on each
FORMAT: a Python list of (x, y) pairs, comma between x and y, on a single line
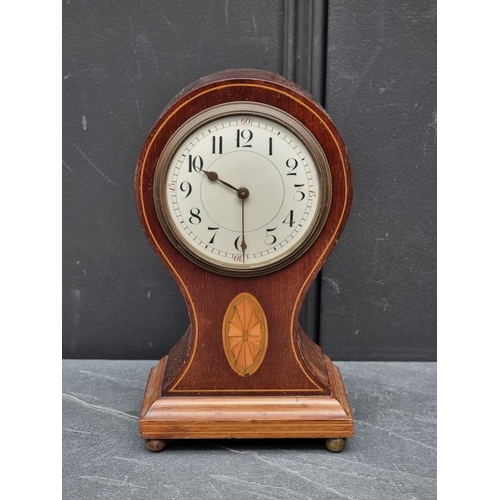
[(241, 192)]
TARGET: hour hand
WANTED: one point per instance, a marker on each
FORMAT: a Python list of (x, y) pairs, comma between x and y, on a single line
[(213, 176)]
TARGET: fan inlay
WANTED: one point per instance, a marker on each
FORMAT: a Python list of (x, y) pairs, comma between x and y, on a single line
[(244, 334)]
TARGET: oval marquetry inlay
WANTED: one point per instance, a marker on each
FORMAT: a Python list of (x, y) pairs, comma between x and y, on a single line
[(244, 334)]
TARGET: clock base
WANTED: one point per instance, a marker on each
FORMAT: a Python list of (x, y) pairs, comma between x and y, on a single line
[(222, 417)]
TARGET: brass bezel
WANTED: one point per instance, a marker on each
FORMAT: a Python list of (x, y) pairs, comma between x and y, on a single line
[(254, 109)]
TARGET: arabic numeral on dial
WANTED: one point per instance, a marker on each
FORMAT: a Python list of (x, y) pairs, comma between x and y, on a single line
[(195, 163), (299, 194), (195, 218), (217, 145), (292, 164), (289, 219), (270, 239), (237, 243), (216, 229), (185, 187), (243, 138)]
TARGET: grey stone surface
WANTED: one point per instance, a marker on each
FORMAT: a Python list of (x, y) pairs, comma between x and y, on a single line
[(391, 457)]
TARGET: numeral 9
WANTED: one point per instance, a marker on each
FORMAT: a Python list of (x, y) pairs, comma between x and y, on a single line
[(185, 187)]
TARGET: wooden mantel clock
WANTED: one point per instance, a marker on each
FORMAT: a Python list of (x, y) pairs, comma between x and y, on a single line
[(243, 187)]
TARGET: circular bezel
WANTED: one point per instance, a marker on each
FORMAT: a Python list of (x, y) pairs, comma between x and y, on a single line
[(254, 109)]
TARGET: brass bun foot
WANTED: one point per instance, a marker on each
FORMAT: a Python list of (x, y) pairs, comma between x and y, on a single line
[(336, 445), (155, 444)]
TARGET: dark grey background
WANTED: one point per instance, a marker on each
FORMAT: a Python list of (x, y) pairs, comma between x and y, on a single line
[(371, 63)]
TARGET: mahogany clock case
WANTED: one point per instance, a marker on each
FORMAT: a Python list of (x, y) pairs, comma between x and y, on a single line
[(187, 392)]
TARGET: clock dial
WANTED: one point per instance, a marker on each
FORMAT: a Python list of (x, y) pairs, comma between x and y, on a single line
[(242, 192)]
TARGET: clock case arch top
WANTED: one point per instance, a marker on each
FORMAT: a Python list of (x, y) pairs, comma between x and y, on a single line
[(187, 392)]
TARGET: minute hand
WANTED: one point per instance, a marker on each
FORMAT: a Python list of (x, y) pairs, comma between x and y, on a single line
[(243, 243), (243, 194)]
